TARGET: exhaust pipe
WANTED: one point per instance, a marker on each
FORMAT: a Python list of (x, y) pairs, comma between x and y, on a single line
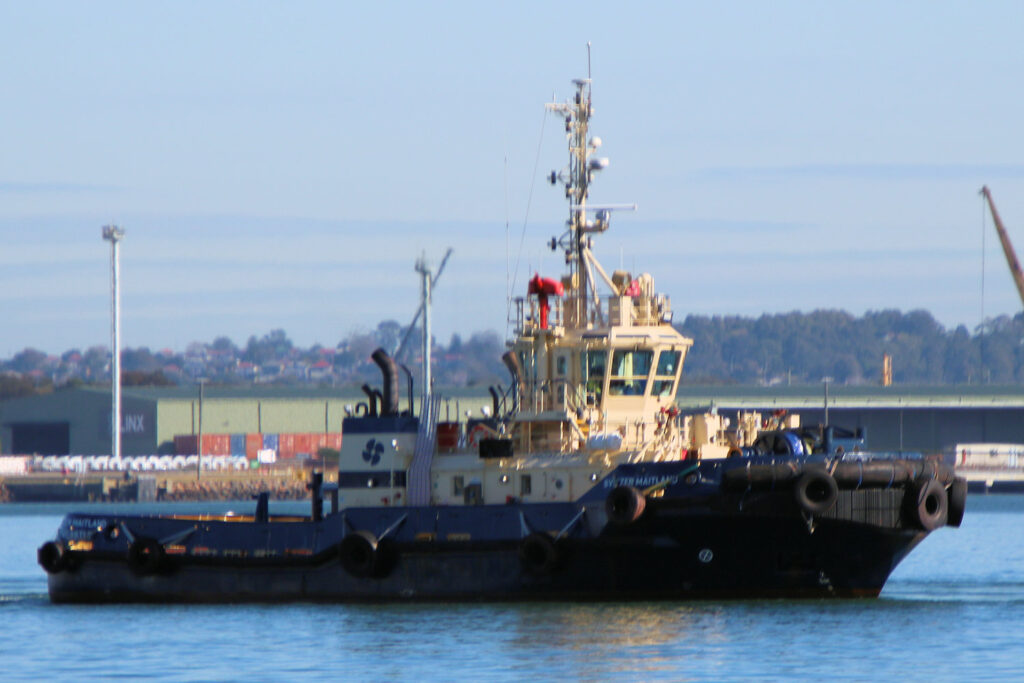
[(408, 374), (371, 397), (511, 361), (389, 399), (494, 400)]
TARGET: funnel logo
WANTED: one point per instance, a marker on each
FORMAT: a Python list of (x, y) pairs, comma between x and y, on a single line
[(374, 449)]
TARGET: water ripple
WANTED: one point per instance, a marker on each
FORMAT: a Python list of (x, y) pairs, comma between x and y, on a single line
[(952, 611)]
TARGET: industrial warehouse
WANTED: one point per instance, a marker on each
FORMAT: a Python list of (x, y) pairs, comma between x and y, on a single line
[(77, 421)]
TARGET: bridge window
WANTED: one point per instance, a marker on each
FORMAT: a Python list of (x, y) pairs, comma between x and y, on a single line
[(665, 375), (629, 372), (594, 367)]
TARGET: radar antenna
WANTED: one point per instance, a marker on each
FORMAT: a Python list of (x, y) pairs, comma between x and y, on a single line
[(576, 178)]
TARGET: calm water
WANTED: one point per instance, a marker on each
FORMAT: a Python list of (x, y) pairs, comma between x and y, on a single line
[(953, 611)]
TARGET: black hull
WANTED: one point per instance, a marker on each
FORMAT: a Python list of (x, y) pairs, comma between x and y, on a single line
[(753, 531), (699, 557)]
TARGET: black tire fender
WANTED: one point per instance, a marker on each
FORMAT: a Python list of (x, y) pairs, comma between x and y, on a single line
[(926, 504), (52, 557), (146, 556), (358, 554), (624, 505), (387, 558), (957, 501), (815, 491), (538, 554)]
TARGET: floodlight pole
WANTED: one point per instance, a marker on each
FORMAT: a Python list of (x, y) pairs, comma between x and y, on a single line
[(114, 235), (826, 380), (426, 282), (199, 440)]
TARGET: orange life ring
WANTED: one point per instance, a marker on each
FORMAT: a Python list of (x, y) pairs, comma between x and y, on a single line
[(476, 434)]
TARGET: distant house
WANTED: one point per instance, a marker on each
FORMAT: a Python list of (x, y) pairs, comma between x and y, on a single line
[(321, 370), (247, 370), (268, 372)]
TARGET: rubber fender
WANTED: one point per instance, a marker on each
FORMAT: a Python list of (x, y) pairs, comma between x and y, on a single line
[(928, 469), (624, 505), (926, 504), (386, 559), (538, 554), (358, 553), (146, 556), (957, 493), (873, 474), (759, 477), (815, 491), (52, 557)]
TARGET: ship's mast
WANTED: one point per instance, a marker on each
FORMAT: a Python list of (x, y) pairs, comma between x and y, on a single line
[(582, 164), (577, 191), (577, 181)]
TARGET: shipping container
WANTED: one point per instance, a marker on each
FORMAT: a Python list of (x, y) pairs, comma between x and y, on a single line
[(186, 444), (216, 444), (286, 445), (270, 441), (447, 436), (253, 444), (303, 443), (237, 444)]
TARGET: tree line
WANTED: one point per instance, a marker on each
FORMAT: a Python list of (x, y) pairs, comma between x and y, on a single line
[(784, 348), (802, 348)]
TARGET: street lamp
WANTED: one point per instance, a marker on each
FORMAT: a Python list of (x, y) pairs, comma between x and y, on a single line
[(825, 381), (114, 234), (199, 444)]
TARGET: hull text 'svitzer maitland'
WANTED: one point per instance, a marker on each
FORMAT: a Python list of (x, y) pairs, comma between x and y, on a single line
[(583, 482)]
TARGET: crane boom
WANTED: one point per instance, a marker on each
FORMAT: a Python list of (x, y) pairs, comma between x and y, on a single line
[(1004, 239)]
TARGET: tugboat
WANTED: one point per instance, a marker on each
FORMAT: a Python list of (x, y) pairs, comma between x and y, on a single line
[(581, 482)]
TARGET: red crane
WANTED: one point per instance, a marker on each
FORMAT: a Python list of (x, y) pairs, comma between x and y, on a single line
[(1004, 239)]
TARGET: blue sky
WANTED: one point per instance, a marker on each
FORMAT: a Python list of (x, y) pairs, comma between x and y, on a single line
[(283, 164)]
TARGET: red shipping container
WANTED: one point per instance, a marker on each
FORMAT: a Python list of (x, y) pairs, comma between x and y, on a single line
[(303, 443), (334, 440), (216, 444), (253, 444), (286, 445), (186, 444)]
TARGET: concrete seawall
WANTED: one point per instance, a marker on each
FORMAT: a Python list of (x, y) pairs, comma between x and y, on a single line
[(282, 484)]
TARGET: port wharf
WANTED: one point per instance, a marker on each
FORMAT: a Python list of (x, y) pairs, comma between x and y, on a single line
[(927, 419), (283, 483)]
